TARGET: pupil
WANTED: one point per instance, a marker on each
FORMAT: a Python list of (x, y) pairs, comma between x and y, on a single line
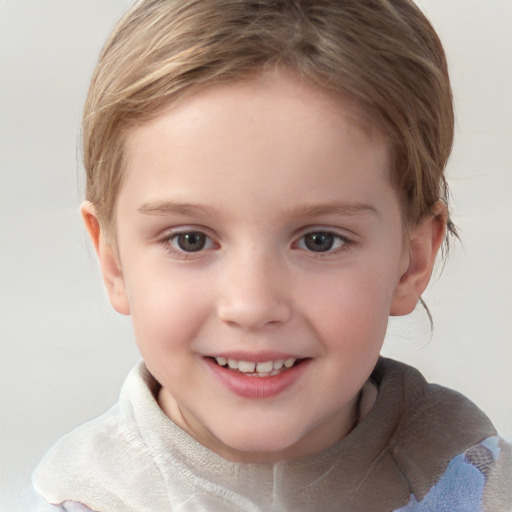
[(319, 242), (191, 242)]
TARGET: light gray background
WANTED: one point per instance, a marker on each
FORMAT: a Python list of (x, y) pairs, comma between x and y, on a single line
[(64, 352)]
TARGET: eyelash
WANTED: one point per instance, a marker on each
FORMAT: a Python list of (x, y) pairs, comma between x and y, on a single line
[(342, 241), (168, 243)]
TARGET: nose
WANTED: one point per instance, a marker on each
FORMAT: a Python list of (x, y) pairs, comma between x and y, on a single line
[(254, 293)]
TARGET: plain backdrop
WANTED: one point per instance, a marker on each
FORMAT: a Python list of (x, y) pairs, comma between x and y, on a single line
[(64, 352)]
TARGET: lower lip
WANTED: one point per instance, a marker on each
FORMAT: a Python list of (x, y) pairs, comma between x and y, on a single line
[(257, 387)]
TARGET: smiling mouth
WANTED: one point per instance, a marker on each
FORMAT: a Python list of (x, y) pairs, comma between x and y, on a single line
[(261, 369)]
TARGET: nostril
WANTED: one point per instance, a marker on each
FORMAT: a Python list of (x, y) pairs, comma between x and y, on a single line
[(254, 316)]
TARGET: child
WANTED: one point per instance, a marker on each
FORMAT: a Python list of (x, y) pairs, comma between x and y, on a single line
[(264, 188)]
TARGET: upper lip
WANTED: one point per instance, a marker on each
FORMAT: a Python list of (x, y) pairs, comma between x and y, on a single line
[(255, 357)]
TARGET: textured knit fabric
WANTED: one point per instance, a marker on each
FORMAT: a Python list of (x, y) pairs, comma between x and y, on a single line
[(420, 447)]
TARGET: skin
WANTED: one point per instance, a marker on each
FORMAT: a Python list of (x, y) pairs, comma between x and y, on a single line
[(256, 166)]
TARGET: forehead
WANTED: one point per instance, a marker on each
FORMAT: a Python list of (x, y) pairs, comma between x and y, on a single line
[(251, 90), (270, 125)]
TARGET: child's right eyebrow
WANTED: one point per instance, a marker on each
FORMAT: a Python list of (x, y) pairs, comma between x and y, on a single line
[(174, 207)]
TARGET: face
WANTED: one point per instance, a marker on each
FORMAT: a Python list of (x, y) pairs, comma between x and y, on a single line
[(260, 251)]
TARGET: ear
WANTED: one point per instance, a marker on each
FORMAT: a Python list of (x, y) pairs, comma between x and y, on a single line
[(108, 258), (425, 240)]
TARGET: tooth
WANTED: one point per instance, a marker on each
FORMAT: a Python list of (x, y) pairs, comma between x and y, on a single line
[(289, 363), (221, 361), (278, 364), (264, 367), (233, 364), (246, 366)]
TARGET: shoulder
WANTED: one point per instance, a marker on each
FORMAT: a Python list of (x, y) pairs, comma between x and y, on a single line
[(479, 479), (105, 463), (84, 462), (428, 415), (443, 444)]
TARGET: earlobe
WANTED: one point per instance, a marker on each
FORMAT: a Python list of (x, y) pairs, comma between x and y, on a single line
[(108, 259), (425, 240)]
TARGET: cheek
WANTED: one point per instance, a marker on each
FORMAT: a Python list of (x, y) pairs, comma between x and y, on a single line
[(352, 309), (166, 311)]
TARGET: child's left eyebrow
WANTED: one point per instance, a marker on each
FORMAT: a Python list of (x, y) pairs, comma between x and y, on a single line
[(336, 208)]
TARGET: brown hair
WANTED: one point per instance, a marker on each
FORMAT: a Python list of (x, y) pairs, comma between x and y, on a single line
[(383, 53)]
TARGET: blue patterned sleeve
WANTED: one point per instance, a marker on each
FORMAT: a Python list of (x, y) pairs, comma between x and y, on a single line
[(478, 480)]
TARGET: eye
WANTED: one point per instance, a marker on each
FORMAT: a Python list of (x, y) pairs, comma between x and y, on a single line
[(321, 241), (192, 241)]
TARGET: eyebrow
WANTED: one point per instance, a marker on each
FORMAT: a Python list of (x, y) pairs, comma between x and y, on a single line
[(340, 208), (173, 207)]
